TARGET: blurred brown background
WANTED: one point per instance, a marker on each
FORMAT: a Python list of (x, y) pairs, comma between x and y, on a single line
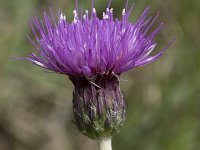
[(163, 98)]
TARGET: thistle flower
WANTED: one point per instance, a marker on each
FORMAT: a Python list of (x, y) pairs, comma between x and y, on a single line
[(94, 52)]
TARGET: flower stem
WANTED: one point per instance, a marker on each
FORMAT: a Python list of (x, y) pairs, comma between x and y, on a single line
[(105, 143)]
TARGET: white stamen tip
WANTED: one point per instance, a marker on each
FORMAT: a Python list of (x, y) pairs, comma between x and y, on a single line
[(124, 12), (111, 10), (94, 10), (84, 16), (38, 63), (74, 12), (75, 20), (75, 16), (105, 16), (62, 17), (86, 11)]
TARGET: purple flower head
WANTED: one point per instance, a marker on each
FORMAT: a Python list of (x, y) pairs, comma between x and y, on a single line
[(89, 45), (93, 52)]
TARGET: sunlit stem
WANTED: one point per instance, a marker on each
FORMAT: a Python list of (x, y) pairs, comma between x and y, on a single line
[(105, 143)]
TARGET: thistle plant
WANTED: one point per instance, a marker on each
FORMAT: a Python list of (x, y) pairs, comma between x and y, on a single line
[(93, 52)]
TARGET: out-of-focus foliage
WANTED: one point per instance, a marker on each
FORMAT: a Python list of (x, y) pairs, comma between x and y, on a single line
[(163, 98)]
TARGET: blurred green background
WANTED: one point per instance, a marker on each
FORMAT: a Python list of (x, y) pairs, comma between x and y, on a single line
[(163, 98)]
